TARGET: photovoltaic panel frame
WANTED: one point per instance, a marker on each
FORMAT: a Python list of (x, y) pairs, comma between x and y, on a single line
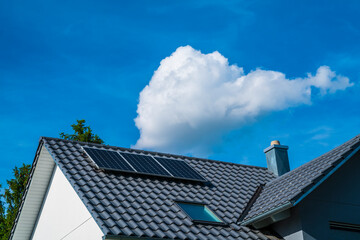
[(180, 169), (145, 164), (108, 159), (142, 164)]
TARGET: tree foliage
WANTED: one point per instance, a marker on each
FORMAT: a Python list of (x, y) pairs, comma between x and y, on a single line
[(82, 133), (10, 199)]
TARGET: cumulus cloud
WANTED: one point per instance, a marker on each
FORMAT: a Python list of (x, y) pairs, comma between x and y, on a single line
[(193, 99)]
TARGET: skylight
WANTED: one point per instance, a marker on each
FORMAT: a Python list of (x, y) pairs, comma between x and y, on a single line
[(199, 212)]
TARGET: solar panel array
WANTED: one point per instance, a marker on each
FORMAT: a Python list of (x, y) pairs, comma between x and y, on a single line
[(143, 164)]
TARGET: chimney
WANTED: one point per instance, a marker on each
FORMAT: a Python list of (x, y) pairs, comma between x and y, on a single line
[(277, 158)]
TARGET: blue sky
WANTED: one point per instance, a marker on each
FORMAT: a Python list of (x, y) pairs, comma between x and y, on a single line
[(65, 60)]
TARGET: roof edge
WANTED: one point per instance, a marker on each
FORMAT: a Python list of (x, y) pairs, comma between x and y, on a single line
[(32, 170), (356, 150), (349, 152), (155, 153), (267, 214), (294, 202)]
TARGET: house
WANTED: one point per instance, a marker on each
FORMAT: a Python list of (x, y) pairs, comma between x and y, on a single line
[(82, 190)]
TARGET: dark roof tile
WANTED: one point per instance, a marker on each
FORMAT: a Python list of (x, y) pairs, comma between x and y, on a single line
[(131, 205), (292, 185)]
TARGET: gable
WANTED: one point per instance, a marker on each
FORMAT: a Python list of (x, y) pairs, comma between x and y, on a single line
[(40, 176), (336, 200), (291, 188), (63, 215), (341, 187)]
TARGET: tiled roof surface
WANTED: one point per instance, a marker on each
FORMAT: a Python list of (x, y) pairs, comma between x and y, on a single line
[(292, 185), (142, 206)]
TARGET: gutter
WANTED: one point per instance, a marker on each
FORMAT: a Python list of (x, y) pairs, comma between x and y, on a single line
[(265, 215)]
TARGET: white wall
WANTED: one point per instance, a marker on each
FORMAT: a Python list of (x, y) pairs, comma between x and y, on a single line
[(64, 216), (39, 183)]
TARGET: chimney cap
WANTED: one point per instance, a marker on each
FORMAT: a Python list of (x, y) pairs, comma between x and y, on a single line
[(275, 142), (278, 146)]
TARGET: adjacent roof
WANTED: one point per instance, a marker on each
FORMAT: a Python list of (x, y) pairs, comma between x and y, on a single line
[(294, 185), (144, 206)]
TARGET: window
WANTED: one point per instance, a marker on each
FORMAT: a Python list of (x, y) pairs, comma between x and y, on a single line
[(199, 213)]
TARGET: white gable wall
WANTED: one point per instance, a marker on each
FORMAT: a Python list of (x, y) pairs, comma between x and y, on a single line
[(36, 192), (63, 215)]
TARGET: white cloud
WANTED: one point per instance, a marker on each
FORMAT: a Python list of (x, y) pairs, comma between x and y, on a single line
[(193, 99)]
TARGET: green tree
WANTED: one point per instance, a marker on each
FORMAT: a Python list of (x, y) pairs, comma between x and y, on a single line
[(10, 199), (82, 133)]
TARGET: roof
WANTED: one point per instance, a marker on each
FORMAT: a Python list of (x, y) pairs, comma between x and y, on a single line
[(144, 206), (292, 187)]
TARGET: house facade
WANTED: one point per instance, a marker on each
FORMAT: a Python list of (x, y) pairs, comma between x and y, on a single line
[(89, 191), (330, 211)]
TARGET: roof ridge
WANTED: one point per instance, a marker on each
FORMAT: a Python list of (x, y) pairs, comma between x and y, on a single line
[(154, 153)]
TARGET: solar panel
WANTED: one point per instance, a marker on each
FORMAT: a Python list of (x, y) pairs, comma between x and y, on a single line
[(145, 164), (142, 164), (180, 169), (108, 159)]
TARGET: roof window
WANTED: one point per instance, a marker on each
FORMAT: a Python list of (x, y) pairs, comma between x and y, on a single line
[(200, 213)]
